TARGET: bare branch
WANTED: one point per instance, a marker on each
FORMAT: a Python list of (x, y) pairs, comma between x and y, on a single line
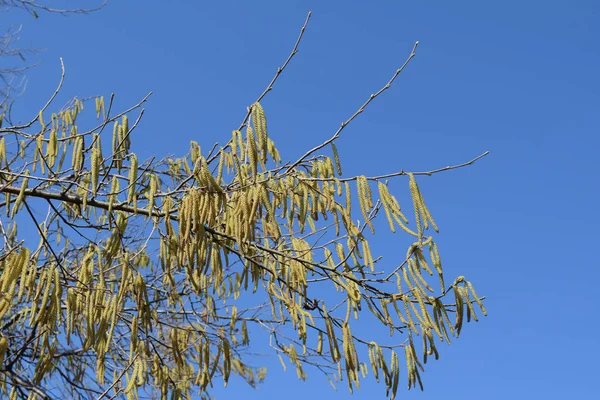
[(357, 112)]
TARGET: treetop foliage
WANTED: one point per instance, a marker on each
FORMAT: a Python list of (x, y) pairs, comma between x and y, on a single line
[(150, 278)]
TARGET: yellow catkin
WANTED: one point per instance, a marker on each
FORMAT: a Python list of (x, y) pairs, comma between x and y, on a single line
[(99, 106), (195, 151), (83, 190), (477, 299), (52, 149), (414, 191), (240, 145), (369, 196), (220, 167), (133, 173), (368, 258), (3, 158), (333, 345), (365, 200), (459, 306), (41, 317), (384, 195), (409, 366), (336, 159), (346, 341), (245, 337), (274, 152), (320, 343), (24, 271), (233, 143), (226, 359), (373, 361), (416, 363), (21, 195), (116, 145), (152, 192), (348, 198), (41, 120), (125, 131), (422, 214), (329, 168), (38, 153), (97, 102), (95, 168), (395, 371), (437, 263), (427, 214), (251, 150), (471, 310), (260, 125), (77, 154)]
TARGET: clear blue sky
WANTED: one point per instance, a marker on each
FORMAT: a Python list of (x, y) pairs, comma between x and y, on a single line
[(517, 78)]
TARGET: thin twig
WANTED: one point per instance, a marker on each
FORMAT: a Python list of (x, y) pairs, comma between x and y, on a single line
[(108, 389), (359, 111), (277, 74), (280, 69), (399, 173), (60, 84)]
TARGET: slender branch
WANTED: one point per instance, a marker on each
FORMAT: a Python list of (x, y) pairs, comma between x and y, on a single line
[(272, 83), (400, 173), (280, 69), (50, 100), (359, 111), (31, 5)]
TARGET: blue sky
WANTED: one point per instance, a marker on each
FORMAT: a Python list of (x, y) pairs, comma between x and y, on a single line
[(518, 79)]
